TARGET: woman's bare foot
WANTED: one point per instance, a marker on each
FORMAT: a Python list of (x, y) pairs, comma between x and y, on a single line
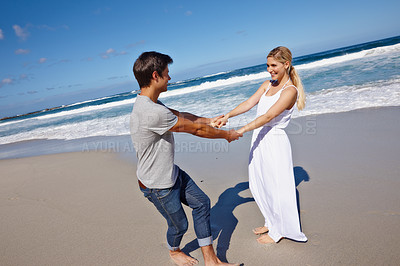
[(181, 259), (260, 230), (265, 239)]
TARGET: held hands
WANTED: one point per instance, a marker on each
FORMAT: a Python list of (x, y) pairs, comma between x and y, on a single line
[(233, 135), (219, 121), (214, 120)]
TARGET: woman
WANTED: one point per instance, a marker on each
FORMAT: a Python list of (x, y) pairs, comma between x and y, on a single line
[(271, 177)]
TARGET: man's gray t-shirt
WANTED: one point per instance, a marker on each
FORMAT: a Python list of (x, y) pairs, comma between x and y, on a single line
[(153, 143)]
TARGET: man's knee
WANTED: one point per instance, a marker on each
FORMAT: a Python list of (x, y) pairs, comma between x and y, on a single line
[(183, 227), (206, 203)]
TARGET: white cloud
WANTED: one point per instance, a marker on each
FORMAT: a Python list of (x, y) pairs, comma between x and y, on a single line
[(87, 59), (49, 28), (7, 81), (101, 10), (23, 33), (110, 51), (59, 62), (242, 33), (23, 76), (20, 32), (132, 45), (107, 53), (22, 51), (13, 79), (1, 35), (42, 60), (45, 27), (188, 13)]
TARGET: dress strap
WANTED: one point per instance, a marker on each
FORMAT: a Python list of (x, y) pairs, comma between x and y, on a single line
[(269, 86), (285, 83), (284, 86), (297, 97), (291, 86)]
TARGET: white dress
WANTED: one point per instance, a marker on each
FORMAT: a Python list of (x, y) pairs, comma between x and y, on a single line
[(271, 177)]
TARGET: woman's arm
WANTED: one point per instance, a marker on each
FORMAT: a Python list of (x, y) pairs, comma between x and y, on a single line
[(244, 106), (286, 100)]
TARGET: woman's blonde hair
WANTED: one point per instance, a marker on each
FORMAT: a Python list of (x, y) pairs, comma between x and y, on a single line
[(283, 55)]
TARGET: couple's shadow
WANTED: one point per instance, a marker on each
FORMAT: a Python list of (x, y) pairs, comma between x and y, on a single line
[(224, 222)]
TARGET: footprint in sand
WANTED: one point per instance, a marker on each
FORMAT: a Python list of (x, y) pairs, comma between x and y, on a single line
[(13, 198), (386, 213), (391, 213)]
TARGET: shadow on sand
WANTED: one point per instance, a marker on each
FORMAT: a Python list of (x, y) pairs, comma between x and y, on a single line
[(300, 175), (223, 221)]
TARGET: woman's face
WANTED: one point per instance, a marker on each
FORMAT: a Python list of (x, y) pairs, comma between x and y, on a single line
[(276, 69)]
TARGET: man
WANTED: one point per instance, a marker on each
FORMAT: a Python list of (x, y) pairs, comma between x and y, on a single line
[(162, 182)]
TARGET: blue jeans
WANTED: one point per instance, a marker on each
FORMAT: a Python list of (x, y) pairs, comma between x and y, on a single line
[(169, 203)]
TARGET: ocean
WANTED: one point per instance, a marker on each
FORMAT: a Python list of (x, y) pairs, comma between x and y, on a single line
[(340, 80)]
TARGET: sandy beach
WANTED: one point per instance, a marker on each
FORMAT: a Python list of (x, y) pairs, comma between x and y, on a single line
[(85, 208)]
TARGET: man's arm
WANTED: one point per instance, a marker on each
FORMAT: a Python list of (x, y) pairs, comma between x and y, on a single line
[(203, 130), (192, 117)]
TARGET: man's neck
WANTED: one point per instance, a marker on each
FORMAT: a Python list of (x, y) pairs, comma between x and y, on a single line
[(151, 93)]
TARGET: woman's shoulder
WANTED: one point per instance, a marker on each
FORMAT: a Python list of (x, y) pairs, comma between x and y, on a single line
[(289, 90), (290, 85), (266, 84)]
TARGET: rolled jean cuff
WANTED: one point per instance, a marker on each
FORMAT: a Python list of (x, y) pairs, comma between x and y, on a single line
[(172, 248), (205, 241)]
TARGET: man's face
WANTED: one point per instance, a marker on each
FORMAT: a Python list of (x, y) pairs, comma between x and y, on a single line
[(164, 79)]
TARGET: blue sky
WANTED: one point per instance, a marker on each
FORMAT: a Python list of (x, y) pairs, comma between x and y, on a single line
[(61, 52)]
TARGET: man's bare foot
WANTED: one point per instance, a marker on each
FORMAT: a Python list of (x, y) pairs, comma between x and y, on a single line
[(210, 259), (265, 239), (181, 259), (260, 230)]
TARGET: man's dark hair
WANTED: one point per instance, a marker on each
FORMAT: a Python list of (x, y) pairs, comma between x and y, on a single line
[(147, 63)]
